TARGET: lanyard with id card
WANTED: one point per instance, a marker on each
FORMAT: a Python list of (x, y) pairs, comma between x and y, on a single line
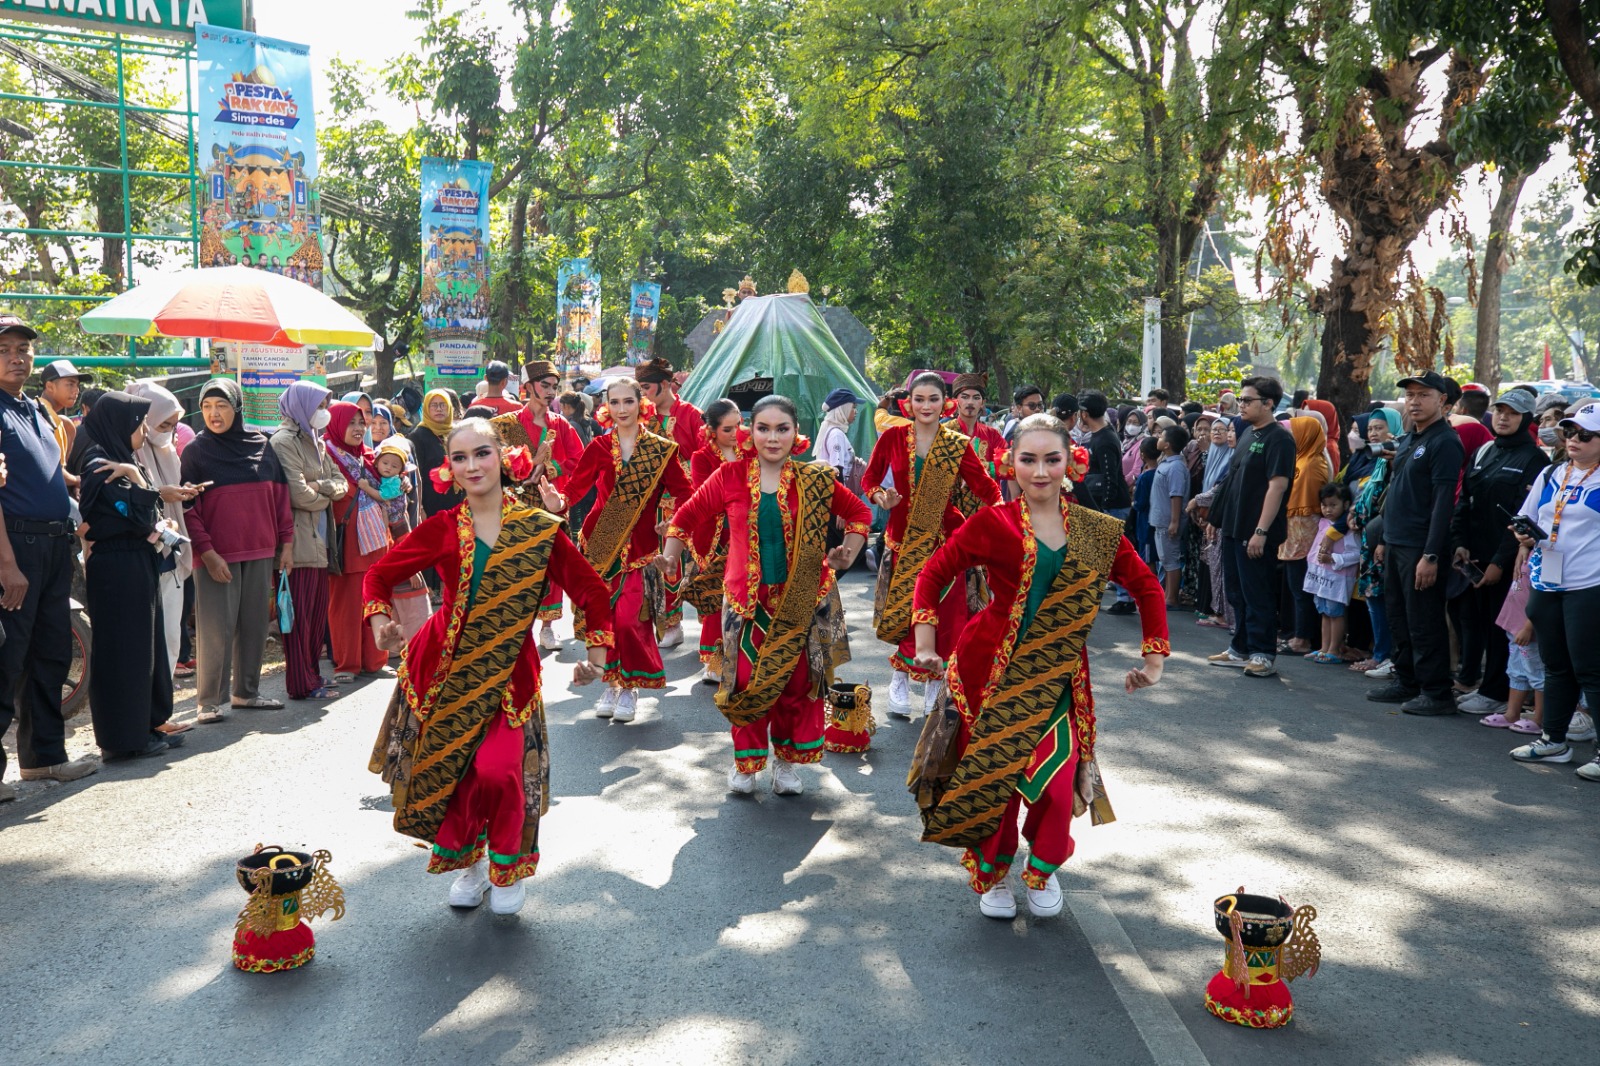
[(1550, 557)]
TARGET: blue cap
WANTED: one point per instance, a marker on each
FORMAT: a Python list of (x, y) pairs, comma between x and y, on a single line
[(840, 397)]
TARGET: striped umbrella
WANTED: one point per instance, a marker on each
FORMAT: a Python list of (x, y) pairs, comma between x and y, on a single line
[(233, 303)]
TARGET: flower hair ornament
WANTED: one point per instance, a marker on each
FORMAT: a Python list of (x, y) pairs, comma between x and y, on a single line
[(948, 411), (1078, 465), (442, 477), (517, 461), (647, 413)]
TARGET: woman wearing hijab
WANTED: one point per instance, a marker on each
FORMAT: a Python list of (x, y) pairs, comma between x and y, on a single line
[(1366, 519), (130, 680), (360, 514), (1133, 429), (1216, 611), (381, 423), (314, 482), (1311, 472), (427, 443), (239, 525), (159, 458)]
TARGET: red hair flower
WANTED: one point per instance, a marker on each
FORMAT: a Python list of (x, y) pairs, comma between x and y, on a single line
[(1079, 464), (518, 462), (801, 444), (948, 412), (746, 442), (442, 477)]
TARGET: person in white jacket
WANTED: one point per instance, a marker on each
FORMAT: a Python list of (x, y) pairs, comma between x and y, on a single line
[(1331, 564)]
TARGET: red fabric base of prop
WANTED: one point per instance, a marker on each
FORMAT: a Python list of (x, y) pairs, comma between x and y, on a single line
[(287, 950), (1270, 1006), (844, 742)]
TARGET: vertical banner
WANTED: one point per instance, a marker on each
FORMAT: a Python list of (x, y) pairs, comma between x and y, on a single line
[(260, 206), (578, 317), (265, 370), (257, 153), (455, 270), (644, 311), (1150, 362)]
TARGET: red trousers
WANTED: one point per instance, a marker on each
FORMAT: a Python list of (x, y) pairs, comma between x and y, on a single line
[(638, 662), (794, 724), (302, 645), (487, 811), (354, 650), (711, 639), (1047, 829), (953, 617), (550, 606)]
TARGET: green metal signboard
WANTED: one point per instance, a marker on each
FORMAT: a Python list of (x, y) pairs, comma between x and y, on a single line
[(145, 18)]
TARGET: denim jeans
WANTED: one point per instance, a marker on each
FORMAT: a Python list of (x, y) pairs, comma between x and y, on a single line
[(1382, 640)]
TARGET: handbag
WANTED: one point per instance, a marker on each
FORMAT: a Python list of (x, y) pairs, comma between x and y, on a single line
[(336, 535), (285, 604), (938, 751)]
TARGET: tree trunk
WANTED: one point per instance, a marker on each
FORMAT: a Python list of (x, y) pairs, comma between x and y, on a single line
[(1486, 358), (1347, 345), (513, 303)]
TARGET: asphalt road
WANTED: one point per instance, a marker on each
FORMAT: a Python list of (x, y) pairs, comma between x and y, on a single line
[(673, 923)]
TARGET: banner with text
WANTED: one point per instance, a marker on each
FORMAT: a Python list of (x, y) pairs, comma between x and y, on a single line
[(644, 311), (257, 151), (578, 317), (143, 18), (265, 370), (455, 270)]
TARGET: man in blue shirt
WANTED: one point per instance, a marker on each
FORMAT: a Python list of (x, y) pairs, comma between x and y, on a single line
[(35, 574)]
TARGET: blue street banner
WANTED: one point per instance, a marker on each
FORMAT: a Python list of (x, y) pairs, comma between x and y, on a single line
[(578, 317), (644, 311), (455, 270), (257, 150)]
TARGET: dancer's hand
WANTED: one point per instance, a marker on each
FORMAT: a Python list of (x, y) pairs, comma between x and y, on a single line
[(929, 661), (585, 672), (888, 499), (668, 567), (841, 557), (1148, 674), (387, 634), (553, 501)]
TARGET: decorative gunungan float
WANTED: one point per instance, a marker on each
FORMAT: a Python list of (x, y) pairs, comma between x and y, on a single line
[(286, 888), (1269, 944)]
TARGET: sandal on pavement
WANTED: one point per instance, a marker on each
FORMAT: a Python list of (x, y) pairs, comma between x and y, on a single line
[(170, 728), (1497, 721), (321, 692), (260, 703), (1525, 725), (1364, 665), (342, 678), (210, 715)]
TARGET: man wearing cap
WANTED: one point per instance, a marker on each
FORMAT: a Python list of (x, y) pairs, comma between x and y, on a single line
[(1498, 477), (1415, 529), (681, 423), (556, 448), (496, 376), (971, 392), (61, 386), (35, 573)]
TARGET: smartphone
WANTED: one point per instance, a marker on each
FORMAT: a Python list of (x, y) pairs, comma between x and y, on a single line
[(1469, 570)]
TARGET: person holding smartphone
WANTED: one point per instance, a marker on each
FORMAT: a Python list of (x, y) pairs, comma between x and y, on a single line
[(1498, 477)]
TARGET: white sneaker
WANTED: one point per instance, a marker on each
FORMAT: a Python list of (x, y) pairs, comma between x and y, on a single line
[(608, 703), (900, 695), (508, 900), (671, 638), (1383, 670), (1046, 902), (930, 696), (785, 780), (1477, 703), (743, 784), (467, 890), (548, 639), (709, 676), (998, 902), (627, 706), (1581, 727), (1543, 750)]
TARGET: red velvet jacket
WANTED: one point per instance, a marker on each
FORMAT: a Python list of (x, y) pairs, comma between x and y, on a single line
[(442, 543), (892, 455), (993, 538), (598, 466), (991, 447), (728, 492), (705, 462), (565, 449), (686, 431)]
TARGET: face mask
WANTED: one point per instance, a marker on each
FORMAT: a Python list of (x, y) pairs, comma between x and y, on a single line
[(1132, 429), (320, 418), (1547, 436), (1079, 436), (157, 438)]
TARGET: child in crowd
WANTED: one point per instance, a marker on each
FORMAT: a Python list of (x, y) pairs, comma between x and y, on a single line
[(1169, 490), (1144, 538), (1524, 667), (1331, 570), (399, 492)]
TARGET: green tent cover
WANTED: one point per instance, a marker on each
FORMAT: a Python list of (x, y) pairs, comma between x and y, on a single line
[(783, 337)]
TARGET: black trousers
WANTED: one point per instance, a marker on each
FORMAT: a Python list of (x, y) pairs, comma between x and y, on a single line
[(37, 654), (1481, 636), (1252, 590), (1307, 624), (1421, 638), (130, 684), (1567, 626)]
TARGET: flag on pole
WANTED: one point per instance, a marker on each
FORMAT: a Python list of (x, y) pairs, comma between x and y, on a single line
[(1549, 367)]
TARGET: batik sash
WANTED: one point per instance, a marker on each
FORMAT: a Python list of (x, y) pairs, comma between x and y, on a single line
[(470, 684), (1025, 684), (787, 634), (636, 482), (930, 496)]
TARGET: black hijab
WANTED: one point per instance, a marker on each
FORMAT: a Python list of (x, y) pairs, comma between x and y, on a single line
[(105, 433), (238, 456), (1517, 437)]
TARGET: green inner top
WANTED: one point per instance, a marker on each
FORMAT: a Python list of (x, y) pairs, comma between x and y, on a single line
[(769, 532), (480, 560), (1045, 571), (917, 476)]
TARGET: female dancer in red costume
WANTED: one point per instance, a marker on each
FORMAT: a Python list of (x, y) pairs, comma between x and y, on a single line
[(784, 624), (631, 469), (703, 586), (463, 744), (928, 462), (1019, 677)]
